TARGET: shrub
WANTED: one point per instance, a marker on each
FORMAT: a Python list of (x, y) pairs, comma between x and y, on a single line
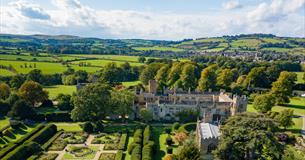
[(88, 127), (44, 135), (47, 103), (5, 108), (136, 152), (146, 135), (58, 117), (9, 133), (50, 141), (23, 151), (110, 147), (119, 155), (7, 149), (123, 142), (29, 135), (169, 140), (175, 126), (167, 130), (169, 150), (188, 127), (98, 126)]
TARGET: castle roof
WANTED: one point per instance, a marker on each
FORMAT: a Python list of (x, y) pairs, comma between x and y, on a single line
[(208, 130)]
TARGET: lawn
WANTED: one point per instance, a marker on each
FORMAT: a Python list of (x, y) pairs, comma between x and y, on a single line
[(4, 122), (296, 103), (69, 127), (4, 72), (131, 83), (57, 89), (300, 77)]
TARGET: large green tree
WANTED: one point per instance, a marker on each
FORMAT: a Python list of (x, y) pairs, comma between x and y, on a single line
[(189, 150), (32, 92), (21, 110), (5, 91), (150, 72), (282, 88), (146, 115), (257, 77), (208, 78), (225, 78), (263, 103), (188, 78), (91, 103), (122, 101), (35, 75), (161, 76), (248, 136), (285, 118), (174, 74)]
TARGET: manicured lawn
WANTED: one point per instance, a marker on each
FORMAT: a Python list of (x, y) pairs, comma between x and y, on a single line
[(69, 127), (296, 103), (57, 89), (132, 83), (300, 77), (3, 122)]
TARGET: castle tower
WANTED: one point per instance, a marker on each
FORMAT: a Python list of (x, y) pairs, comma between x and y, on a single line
[(152, 86)]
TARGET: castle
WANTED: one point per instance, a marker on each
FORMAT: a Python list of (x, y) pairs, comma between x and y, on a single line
[(213, 107)]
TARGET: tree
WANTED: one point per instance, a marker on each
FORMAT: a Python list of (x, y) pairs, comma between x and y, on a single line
[(225, 78), (4, 108), (174, 74), (161, 76), (21, 110), (146, 115), (32, 92), (282, 88), (122, 102), (188, 78), (149, 72), (91, 103), (263, 103), (285, 118), (5, 91), (257, 77), (141, 59), (189, 150), (81, 76), (180, 137), (69, 80), (244, 136), (64, 102), (17, 81), (88, 127), (111, 74), (208, 78), (35, 75)]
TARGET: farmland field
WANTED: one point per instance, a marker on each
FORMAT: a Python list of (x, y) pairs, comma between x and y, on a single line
[(57, 89), (300, 77), (158, 48), (101, 63), (4, 72), (26, 58)]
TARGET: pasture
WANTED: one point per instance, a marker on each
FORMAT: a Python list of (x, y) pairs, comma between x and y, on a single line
[(158, 48), (101, 63), (57, 89), (300, 77)]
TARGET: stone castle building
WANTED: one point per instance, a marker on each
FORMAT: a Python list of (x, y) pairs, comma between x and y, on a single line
[(212, 107)]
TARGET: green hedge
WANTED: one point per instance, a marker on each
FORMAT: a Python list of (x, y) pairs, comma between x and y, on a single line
[(119, 155), (188, 127), (123, 142), (50, 141), (23, 151), (136, 152), (146, 135), (44, 135), (148, 145), (11, 146)]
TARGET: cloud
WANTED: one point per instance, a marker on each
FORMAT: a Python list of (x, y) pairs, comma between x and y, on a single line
[(232, 4), (31, 10), (279, 17)]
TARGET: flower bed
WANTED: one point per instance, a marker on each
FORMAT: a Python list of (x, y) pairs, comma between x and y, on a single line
[(107, 156), (111, 147), (68, 138), (104, 138)]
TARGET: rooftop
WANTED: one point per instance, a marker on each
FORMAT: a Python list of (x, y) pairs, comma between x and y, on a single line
[(209, 130)]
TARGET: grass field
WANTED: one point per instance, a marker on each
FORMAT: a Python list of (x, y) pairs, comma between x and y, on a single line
[(297, 104), (300, 77), (102, 63), (132, 83), (109, 57), (158, 48), (251, 43), (45, 67), (3, 122), (57, 89), (27, 58), (4, 72)]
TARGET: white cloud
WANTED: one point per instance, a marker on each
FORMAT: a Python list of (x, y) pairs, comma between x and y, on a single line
[(232, 4), (279, 17), (30, 10)]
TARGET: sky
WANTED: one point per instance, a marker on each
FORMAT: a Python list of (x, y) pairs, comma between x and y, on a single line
[(153, 19)]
